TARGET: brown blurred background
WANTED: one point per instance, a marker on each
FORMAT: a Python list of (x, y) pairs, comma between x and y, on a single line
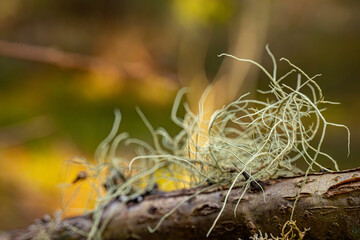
[(66, 65)]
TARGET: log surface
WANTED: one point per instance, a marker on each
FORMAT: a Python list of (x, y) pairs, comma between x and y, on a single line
[(329, 205)]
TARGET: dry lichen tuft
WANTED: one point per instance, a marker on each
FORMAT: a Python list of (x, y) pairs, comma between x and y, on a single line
[(263, 139)]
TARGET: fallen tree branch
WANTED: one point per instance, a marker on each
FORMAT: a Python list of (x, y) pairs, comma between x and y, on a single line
[(70, 60), (329, 205), (56, 57)]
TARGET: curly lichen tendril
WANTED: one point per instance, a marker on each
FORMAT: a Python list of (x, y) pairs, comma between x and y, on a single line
[(264, 139)]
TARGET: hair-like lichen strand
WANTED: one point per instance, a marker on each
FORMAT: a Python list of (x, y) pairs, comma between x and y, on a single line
[(262, 139)]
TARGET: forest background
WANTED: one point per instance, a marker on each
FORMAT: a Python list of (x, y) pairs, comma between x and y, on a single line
[(66, 65)]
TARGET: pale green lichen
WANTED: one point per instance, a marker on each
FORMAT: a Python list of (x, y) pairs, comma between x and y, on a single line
[(264, 139), (290, 231)]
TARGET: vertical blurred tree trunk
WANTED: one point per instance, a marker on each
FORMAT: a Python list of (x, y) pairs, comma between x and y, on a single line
[(247, 40)]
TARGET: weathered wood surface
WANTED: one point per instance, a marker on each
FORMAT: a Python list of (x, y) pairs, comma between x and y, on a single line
[(329, 206)]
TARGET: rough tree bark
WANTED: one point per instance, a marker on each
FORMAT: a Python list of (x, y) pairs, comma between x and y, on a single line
[(329, 206)]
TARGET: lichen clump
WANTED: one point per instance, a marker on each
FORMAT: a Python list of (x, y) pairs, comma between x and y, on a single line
[(263, 139)]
